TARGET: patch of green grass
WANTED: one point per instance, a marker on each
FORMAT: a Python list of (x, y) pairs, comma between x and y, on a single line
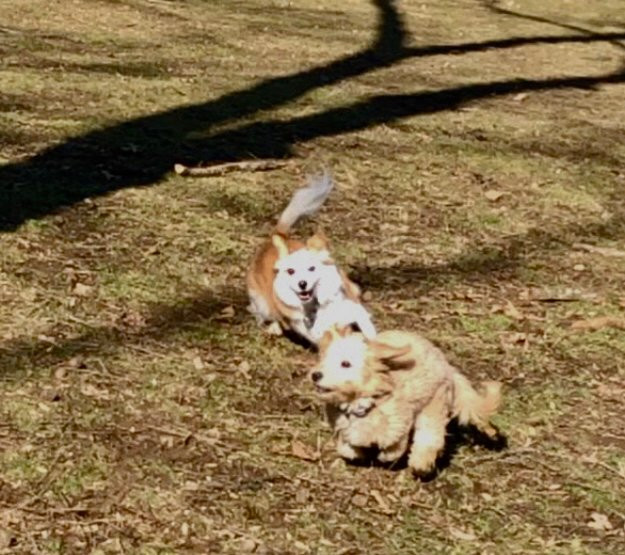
[(487, 326), (22, 467), (88, 475)]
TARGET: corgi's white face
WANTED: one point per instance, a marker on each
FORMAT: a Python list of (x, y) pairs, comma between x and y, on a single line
[(303, 275)]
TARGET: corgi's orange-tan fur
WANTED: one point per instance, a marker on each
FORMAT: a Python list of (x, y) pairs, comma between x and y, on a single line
[(287, 311), (397, 393)]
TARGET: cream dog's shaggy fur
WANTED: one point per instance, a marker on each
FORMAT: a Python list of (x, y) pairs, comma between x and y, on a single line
[(297, 286), (396, 393)]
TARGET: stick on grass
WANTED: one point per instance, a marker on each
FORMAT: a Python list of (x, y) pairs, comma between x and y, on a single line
[(221, 169)]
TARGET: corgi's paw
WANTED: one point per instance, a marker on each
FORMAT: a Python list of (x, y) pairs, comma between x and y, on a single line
[(274, 329)]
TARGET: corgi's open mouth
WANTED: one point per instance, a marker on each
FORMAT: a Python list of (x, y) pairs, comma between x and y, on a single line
[(321, 389), (305, 296)]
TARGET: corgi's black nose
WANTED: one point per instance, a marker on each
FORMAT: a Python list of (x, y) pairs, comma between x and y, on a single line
[(316, 376), (302, 285)]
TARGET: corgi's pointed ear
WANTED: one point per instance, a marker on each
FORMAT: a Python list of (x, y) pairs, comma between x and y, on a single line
[(344, 331), (318, 242), (392, 357), (352, 290), (281, 246)]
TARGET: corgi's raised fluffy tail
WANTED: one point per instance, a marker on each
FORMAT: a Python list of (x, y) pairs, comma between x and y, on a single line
[(305, 202), (473, 407)]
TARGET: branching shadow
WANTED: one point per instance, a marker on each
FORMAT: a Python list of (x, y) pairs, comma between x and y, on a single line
[(141, 151), (494, 6)]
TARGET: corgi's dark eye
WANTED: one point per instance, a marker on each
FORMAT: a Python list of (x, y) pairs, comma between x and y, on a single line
[(346, 364), (311, 269), (290, 271)]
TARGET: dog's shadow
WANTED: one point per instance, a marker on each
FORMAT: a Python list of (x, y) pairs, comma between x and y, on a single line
[(299, 340), (457, 436)]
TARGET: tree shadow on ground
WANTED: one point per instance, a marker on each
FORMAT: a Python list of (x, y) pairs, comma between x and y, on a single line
[(142, 151), (498, 262), (495, 7)]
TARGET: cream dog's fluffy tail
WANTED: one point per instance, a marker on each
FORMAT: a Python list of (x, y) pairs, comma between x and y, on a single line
[(472, 407), (305, 202)]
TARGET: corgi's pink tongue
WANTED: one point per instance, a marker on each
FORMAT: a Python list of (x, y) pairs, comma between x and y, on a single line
[(305, 295)]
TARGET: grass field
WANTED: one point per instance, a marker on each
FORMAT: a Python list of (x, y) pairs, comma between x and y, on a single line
[(479, 153)]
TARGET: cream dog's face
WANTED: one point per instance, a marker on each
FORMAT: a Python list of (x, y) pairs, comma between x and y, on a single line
[(351, 367)]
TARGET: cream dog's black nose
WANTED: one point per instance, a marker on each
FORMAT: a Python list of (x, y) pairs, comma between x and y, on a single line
[(302, 285), (316, 376)]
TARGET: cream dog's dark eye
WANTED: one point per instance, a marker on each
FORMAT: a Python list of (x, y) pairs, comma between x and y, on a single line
[(311, 269), (346, 364), (290, 271)]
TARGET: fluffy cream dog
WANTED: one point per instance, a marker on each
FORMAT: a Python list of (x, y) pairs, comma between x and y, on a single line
[(396, 393), (297, 286)]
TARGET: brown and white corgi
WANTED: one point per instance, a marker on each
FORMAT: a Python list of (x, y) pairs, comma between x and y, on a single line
[(295, 285)]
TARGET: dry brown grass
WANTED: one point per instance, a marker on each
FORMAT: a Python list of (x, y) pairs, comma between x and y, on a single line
[(141, 411)]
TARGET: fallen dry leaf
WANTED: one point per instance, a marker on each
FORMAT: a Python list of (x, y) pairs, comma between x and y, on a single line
[(303, 451), (380, 500), (226, 313), (509, 310), (493, 195), (82, 290), (459, 534), (89, 390), (600, 322), (198, 363), (514, 338), (359, 500), (599, 521)]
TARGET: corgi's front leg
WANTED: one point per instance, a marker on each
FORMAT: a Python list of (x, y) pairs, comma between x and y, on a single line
[(259, 307)]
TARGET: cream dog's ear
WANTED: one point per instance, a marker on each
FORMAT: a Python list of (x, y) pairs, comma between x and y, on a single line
[(280, 244), (332, 333), (318, 242), (393, 358), (327, 338)]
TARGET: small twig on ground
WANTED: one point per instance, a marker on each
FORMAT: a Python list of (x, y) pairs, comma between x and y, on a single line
[(605, 251), (606, 466), (221, 169)]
